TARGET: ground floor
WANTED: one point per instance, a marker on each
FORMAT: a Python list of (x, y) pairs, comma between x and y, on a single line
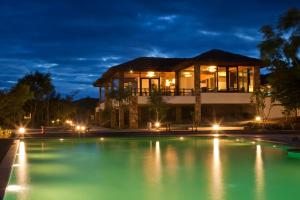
[(177, 114)]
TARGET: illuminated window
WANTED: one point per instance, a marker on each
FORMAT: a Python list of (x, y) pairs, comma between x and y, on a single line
[(208, 78), (243, 79), (222, 82), (232, 79)]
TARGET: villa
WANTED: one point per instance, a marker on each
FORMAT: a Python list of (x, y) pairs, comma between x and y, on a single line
[(213, 85)]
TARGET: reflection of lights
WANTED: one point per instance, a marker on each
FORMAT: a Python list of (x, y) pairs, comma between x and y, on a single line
[(217, 187), (259, 173), (150, 74), (216, 127), (102, 139), (22, 130), (17, 165), (61, 139), (237, 140), (253, 142), (258, 118), (157, 124), (14, 188), (181, 138), (274, 146)]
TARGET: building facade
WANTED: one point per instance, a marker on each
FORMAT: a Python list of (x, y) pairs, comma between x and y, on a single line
[(213, 85)]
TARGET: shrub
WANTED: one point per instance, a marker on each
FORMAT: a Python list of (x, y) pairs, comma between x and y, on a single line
[(5, 133)]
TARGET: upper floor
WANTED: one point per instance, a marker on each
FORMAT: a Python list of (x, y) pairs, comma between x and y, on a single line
[(214, 71)]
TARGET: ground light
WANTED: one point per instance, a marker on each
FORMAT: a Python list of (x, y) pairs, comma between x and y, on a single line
[(216, 127), (21, 130), (258, 118), (157, 124)]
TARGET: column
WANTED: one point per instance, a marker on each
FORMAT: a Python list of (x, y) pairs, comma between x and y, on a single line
[(121, 106), (197, 94), (133, 112), (177, 84), (178, 114), (256, 78)]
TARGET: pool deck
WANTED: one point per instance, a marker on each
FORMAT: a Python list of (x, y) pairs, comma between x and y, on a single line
[(6, 166)]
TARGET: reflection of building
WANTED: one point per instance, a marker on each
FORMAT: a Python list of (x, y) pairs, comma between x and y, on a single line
[(197, 88)]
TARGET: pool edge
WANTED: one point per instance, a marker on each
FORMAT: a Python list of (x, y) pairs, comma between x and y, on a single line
[(6, 166)]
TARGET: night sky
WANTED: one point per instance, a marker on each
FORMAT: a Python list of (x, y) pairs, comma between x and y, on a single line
[(77, 40)]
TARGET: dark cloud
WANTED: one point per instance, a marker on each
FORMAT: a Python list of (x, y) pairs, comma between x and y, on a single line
[(78, 40)]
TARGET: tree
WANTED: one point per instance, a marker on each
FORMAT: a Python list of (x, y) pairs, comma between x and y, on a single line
[(157, 104), (280, 50), (41, 87), (12, 103)]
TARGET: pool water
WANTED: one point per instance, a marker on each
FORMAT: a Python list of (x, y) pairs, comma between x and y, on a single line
[(152, 169)]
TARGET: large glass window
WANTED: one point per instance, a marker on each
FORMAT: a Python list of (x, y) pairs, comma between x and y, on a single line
[(208, 78), (243, 79), (186, 82), (251, 81), (222, 79), (232, 79)]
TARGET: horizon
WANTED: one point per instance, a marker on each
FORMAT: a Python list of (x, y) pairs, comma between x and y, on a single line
[(77, 42)]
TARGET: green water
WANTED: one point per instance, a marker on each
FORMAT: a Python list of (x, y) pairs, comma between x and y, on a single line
[(152, 169)]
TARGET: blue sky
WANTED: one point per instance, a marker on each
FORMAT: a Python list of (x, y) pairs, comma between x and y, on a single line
[(76, 40)]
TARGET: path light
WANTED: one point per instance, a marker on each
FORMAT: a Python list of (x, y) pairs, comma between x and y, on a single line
[(21, 130), (157, 124), (258, 118), (216, 127)]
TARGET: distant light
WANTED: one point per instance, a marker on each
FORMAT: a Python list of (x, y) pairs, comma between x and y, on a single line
[(216, 127), (52, 121), (257, 118), (157, 124), (17, 165), (22, 130), (237, 140), (253, 142), (130, 71), (13, 188), (61, 139), (181, 138), (77, 127), (102, 139), (187, 74)]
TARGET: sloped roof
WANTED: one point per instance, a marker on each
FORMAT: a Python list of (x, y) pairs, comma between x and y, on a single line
[(221, 58), (212, 57)]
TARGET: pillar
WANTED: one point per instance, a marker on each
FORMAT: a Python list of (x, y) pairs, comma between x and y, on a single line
[(98, 117), (177, 78), (256, 81), (121, 106), (178, 114), (133, 112), (197, 94)]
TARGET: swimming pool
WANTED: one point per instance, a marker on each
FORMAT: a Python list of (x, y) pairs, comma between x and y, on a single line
[(152, 168)]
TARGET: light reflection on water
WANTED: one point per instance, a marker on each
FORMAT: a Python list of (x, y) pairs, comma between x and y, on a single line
[(217, 188), (21, 172), (259, 174)]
